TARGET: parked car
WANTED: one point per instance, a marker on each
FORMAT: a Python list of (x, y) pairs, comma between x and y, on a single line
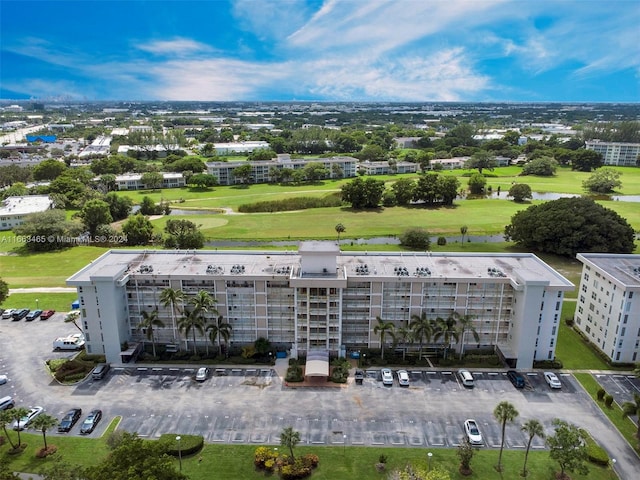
[(19, 314), (25, 421), (473, 432), (91, 421), (516, 378), (100, 370), (33, 315), (403, 378), (47, 314), (202, 374), (3, 379), (552, 379), (6, 403), (8, 313), (359, 375), (466, 378), (387, 376), (70, 419)]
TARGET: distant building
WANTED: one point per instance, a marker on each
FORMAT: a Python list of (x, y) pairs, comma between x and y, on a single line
[(616, 153), (608, 308), (261, 170), (41, 138), (406, 142), (322, 298), (13, 210), (240, 147), (385, 168), (133, 181), (100, 146)]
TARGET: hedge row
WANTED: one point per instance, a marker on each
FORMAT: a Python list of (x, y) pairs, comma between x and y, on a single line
[(189, 444), (289, 204)]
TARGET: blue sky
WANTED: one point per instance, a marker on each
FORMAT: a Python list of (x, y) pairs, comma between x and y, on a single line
[(331, 50)]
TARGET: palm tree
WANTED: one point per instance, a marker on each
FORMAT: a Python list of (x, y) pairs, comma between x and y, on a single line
[(72, 317), (17, 414), (422, 329), (147, 325), (504, 412), (43, 423), (202, 304), (191, 322), (633, 408), (402, 335), (534, 429), (340, 229), (382, 328), (463, 232), (289, 438), (446, 329), (636, 370), (172, 297), (465, 324), (217, 330), (5, 419)]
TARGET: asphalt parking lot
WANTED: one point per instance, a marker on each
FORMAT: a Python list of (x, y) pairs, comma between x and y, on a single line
[(620, 386), (253, 405)]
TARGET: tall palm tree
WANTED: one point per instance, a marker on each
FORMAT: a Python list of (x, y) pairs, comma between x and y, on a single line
[(172, 297), (382, 328), (340, 229), (17, 414), (289, 438), (465, 324), (191, 322), (533, 428), (44, 422), (422, 329), (203, 303), (148, 324), (446, 329), (6, 419), (72, 317), (504, 412), (633, 408), (402, 335), (217, 330)]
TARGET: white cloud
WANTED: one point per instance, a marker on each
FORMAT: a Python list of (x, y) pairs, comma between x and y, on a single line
[(176, 46), (270, 19)]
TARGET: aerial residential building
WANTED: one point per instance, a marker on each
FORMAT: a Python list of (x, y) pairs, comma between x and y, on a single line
[(228, 148), (261, 170), (14, 210), (616, 153), (608, 309), (320, 298), (133, 181), (386, 168), (100, 146)]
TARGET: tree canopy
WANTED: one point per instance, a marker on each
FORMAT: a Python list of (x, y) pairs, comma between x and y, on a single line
[(570, 225), (363, 193), (605, 180)]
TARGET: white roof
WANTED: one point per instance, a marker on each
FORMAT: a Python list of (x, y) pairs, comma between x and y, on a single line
[(25, 205)]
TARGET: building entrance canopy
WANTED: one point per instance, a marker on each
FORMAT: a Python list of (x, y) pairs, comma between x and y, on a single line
[(317, 363)]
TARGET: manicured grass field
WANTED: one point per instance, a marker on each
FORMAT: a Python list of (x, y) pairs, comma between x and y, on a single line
[(60, 302), (221, 462)]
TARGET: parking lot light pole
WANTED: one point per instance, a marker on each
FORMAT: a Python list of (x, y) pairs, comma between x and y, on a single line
[(344, 444), (36, 304), (429, 455), (179, 451)]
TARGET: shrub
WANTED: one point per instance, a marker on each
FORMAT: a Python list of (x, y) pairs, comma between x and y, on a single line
[(608, 400), (415, 238), (294, 374), (548, 364), (601, 393), (289, 204), (189, 444), (595, 453), (442, 241), (569, 321), (264, 459), (295, 470), (310, 460)]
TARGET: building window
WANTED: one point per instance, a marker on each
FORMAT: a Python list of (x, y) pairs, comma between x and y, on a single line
[(550, 356), (630, 295)]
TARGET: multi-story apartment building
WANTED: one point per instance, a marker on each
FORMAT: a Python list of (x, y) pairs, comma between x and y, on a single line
[(616, 153), (608, 309), (261, 171), (14, 210), (320, 298), (133, 181)]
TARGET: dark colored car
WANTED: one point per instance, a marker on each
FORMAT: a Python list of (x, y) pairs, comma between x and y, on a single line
[(70, 419), (33, 315), (359, 377), (91, 421), (19, 314), (516, 378), (47, 314)]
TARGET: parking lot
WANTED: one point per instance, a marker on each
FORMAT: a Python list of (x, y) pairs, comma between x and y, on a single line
[(252, 404)]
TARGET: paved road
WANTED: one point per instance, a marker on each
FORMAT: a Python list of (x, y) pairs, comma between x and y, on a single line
[(252, 405)]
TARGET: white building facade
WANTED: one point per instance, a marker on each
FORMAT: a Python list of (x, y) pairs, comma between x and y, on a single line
[(14, 210), (608, 309), (616, 153), (322, 298)]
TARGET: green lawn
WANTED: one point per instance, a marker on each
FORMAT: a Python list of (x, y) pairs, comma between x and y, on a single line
[(60, 302), (351, 463)]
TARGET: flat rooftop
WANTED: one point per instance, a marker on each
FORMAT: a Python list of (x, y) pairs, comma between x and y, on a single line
[(284, 264), (25, 205), (623, 268)]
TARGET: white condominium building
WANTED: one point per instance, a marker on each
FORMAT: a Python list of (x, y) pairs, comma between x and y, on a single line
[(321, 298), (608, 310), (616, 153)]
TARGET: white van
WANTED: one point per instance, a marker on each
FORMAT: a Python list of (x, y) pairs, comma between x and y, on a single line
[(6, 403), (72, 342), (466, 378)]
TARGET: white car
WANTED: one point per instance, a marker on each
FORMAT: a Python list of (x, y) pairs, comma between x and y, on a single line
[(202, 374), (387, 376), (7, 313), (552, 379), (403, 378), (24, 422), (473, 432), (3, 379)]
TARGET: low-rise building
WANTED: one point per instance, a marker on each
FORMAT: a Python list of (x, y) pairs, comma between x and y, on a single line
[(608, 308), (386, 168), (133, 181), (320, 298), (14, 210)]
